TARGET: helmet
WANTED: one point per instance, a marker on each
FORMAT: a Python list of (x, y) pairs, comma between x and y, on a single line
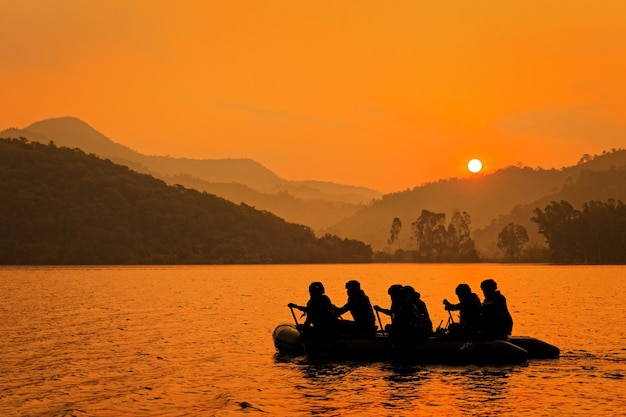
[(395, 289), (489, 285), (353, 285), (463, 289), (411, 291), (316, 288)]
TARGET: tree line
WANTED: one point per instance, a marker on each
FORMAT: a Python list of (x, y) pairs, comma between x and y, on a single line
[(60, 206), (434, 240), (596, 234)]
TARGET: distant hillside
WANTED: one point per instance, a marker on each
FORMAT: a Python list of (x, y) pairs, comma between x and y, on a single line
[(590, 185), (492, 200), (61, 206), (486, 198), (315, 213), (74, 133), (313, 203)]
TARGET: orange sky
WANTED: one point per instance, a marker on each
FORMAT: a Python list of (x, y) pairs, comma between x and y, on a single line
[(387, 95)]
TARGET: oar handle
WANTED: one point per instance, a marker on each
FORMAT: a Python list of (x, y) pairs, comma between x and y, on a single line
[(293, 314), (380, 322)]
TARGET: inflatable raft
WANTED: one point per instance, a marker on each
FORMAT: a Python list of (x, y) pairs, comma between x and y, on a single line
[(435, 349)]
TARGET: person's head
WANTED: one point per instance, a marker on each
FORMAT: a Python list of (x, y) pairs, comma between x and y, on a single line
[(488, 286), (410, 291), (395, 291), (353, 287), (463, 290), (316, 288)]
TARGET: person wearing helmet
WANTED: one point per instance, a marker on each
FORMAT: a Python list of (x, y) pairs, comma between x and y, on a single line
[(360, 308), (405, 321), (497, 322), (469, 309), (425, 324), (320, 312)]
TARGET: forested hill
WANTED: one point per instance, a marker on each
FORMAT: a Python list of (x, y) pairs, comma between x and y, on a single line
[(60, 206), (313, 203)]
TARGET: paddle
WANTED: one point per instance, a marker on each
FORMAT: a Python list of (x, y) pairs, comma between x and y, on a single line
[(439, 329), (290, 305), (451, 320), (382, 329)]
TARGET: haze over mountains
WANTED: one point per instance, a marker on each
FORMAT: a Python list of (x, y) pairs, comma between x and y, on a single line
[(316, 204), (492, 200)]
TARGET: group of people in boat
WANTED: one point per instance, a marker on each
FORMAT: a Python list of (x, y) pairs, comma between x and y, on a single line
[(323, 318), (409, 314), (490, 319)]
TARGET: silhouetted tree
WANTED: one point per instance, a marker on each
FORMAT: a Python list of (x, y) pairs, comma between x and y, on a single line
[(595, 235), (430, 235), (603, 230), (511, 240), (460, 245), (436, 242), (396, 227), (555, 224)]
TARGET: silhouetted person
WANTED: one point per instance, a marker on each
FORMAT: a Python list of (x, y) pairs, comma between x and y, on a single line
[(469, 309), (405, 322), (360, 308), (425, 324), (320, 313), (497, 322)]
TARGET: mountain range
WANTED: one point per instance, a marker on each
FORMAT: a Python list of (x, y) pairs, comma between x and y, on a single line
[(316, 204), (492, 200)]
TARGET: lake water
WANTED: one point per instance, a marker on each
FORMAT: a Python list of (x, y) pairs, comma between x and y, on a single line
[(196, 341)]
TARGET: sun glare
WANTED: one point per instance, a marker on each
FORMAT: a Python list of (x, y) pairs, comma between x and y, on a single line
[(474, 165)]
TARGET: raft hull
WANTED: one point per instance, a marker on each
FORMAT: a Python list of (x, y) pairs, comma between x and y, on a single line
[(436, 349), (537, 349), (287, 340), (432, 350)]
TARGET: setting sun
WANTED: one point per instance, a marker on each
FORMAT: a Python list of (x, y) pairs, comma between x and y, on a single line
[(474, 165)]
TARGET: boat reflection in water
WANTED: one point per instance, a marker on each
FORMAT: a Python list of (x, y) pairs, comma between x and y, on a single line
[(436, 349)]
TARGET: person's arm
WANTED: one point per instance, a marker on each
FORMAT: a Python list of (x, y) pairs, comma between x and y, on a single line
[(382, 310), (342, 310), (451, 307), (297, 307)]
